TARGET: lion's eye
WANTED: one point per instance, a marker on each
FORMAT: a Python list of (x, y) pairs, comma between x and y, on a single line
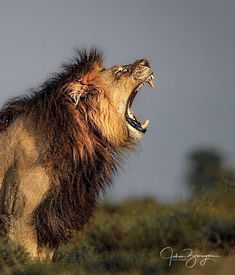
[(120, 71)]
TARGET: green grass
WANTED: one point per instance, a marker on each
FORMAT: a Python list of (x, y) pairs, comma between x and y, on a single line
[(126, 238)]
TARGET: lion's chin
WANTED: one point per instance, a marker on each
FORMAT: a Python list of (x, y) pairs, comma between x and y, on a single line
[(134, 134)]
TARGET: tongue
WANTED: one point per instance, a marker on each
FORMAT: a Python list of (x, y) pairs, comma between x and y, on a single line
[(137, 122)]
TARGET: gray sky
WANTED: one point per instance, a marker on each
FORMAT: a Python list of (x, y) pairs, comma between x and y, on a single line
[(191, 47)]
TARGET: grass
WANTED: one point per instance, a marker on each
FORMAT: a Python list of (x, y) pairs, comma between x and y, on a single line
[(127, 238)]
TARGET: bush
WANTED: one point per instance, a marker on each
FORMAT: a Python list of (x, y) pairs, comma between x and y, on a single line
[(128, 237)]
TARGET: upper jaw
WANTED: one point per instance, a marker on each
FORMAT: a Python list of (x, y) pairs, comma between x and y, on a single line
[(141, 72), (149, 79)]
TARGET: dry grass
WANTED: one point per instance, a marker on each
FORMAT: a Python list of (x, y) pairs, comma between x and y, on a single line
[(127, 238)]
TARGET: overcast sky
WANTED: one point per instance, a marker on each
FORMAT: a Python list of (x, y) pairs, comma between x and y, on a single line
[(190, 45)]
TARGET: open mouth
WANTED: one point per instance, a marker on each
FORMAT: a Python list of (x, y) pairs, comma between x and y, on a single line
[(130, 116)]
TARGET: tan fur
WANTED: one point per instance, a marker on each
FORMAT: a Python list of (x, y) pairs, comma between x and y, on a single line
[(32, 183)]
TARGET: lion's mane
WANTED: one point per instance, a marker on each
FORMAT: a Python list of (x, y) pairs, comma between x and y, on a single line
[(78, 158)]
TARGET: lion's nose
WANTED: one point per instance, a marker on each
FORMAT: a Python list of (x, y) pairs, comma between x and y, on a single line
[(143, 62)]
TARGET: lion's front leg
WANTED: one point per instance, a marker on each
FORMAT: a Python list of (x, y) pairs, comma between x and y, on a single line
[(32, 186), (23, 234), (45, 254)]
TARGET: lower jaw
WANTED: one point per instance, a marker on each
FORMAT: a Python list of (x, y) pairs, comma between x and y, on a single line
[(135, 125)]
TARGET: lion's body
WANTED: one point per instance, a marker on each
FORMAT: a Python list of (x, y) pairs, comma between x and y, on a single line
[(59, 148), (39, 204), (23, 183)]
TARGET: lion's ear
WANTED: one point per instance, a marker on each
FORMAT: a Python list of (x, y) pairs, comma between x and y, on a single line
[(76, 90), (82, 87), (92, 74)]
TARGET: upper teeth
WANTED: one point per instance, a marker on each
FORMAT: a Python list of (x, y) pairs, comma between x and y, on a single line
[(149, 80), (139, 87)]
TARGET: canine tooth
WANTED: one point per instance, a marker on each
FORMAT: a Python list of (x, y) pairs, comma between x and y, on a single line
[(145, 124), (151, 82)]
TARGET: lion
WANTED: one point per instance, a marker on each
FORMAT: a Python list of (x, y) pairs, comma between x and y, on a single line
[(61, 145)]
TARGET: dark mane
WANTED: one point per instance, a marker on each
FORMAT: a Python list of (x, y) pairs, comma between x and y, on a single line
[(81, 64), (78, 159)]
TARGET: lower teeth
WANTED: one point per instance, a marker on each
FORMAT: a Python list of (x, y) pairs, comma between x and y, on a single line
[(132, 116), (145, 124)]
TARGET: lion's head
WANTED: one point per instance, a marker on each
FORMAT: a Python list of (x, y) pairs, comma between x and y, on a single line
[(111, 92)]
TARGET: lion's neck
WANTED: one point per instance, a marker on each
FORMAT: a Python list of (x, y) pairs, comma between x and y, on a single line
[(71, 205)]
